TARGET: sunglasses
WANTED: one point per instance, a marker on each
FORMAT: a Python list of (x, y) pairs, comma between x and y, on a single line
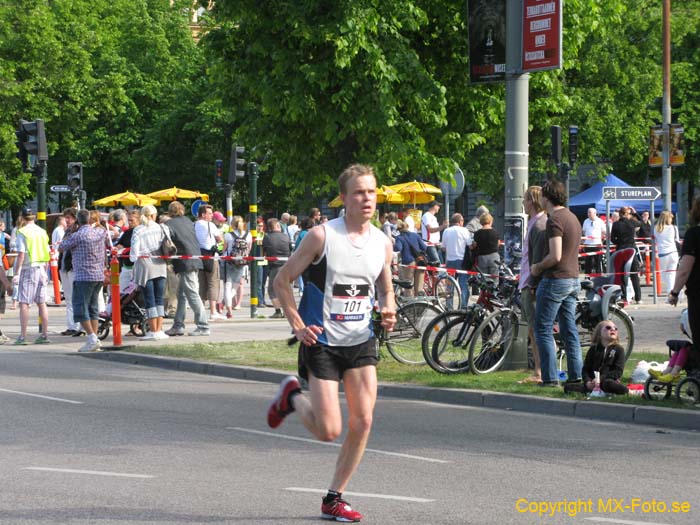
[(611, 328)]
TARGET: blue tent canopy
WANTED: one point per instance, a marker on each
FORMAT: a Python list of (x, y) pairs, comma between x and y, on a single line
[(593, 198)]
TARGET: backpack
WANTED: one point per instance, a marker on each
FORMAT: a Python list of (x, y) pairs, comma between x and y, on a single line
[(239, 248)]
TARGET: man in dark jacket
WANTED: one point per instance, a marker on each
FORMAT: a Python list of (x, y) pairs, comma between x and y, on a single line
[(187, 271), (275, 244), (622, 236)]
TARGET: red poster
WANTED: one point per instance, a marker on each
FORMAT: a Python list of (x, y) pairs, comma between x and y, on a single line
[(541, 35)]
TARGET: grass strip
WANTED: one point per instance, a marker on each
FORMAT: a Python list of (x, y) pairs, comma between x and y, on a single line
[(277, 355)]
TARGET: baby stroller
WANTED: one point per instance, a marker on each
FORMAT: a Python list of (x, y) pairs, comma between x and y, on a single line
[(132, 314), (688, 389)]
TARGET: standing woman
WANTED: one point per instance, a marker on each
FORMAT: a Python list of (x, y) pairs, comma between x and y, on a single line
[(486, 246), (688, 274), (150, 272), (237, 243), (666, 235)]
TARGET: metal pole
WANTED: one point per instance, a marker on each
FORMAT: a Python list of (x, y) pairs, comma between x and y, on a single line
[(229, 203), (517, 151), (253, 229), (607, 236), (653, 256), (666, 112), (41, 173)]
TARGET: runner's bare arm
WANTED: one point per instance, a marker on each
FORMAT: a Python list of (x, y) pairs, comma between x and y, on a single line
[(309, 250), (385, 291)]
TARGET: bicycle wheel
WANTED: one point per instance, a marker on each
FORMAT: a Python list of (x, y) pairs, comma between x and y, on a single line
[(447, 293), (432, 330), (404, 342), (492, 341), (450, 350)]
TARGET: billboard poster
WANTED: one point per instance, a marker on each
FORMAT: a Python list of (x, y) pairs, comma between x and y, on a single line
[(487, 40), (656, 147), (514, 227), (676, 145), (542, 27)]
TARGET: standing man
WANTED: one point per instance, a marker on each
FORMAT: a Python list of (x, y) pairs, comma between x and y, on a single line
[(349, 266), (593, 236), (408, 219), (534, 247), (5, 287), (32, 248), (430, 231), (187, 271), (89, 247), (208, 236), (284, 223), (474, 224), (275, 244), (558, 289), (455, 240)]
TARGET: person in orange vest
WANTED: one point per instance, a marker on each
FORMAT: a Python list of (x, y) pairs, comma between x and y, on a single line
[(30, 274)]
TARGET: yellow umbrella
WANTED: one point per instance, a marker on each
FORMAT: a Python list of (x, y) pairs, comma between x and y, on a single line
[(173, 194), (415, 192), (127, 198), (384, 194)]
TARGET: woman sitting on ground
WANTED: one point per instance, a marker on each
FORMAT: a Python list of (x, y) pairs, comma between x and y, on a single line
[(606, 356)]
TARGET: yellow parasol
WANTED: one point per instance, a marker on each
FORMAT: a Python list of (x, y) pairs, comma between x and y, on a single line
[(415, 192), (127, 198), (384, 194), (174, 194)]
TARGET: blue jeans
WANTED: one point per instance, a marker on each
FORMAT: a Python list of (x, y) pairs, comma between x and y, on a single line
[(85, 295), (153, 294), (461, 279), (556, 299), (433, 255)]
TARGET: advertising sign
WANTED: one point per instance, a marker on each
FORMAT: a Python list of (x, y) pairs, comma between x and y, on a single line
[(676, 145), (514, 227), (542, 25), (656, 147), (487, 40)]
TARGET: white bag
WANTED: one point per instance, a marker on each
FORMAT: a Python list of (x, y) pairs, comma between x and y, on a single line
[(641, 371)]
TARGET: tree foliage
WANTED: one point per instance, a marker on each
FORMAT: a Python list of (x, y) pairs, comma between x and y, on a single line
[(313, 85)]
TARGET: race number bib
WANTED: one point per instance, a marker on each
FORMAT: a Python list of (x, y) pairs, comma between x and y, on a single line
[(350, 302)]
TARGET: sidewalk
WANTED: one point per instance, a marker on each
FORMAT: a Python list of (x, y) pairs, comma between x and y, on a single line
[(653, 325)]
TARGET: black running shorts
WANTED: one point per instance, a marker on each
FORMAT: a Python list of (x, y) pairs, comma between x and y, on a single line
[(331, 362)]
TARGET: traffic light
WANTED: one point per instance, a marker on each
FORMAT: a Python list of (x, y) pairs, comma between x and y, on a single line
[(573, 144), (556, 145), (219, 173), (237, 161), (31, 144), (75, 176)]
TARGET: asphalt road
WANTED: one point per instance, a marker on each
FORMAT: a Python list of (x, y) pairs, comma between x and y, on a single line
[(89, 441)]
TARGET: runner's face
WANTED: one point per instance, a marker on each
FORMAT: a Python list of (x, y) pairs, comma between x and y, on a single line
[(361, 197)]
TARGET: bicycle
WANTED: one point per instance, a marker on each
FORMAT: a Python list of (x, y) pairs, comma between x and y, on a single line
[(443, 288), (590, 311), (451, 348), (412, 317)]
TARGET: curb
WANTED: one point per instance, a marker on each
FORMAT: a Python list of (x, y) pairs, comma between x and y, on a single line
[(619, 413)]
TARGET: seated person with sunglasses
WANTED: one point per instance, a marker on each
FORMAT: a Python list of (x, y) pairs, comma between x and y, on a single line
[(606, 356)]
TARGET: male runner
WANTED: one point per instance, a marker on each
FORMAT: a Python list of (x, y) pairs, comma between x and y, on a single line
[(347, 259)]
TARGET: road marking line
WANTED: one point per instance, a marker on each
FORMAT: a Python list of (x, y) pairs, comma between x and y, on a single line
[(364, 495), (623, 522), (43, 397), (316, 442), (92, 472)]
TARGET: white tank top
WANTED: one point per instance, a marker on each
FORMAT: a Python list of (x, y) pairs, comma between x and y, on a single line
[(347, 273)]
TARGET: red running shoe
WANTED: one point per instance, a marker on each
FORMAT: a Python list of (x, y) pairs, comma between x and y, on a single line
[(280, 407), (340, 510)]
